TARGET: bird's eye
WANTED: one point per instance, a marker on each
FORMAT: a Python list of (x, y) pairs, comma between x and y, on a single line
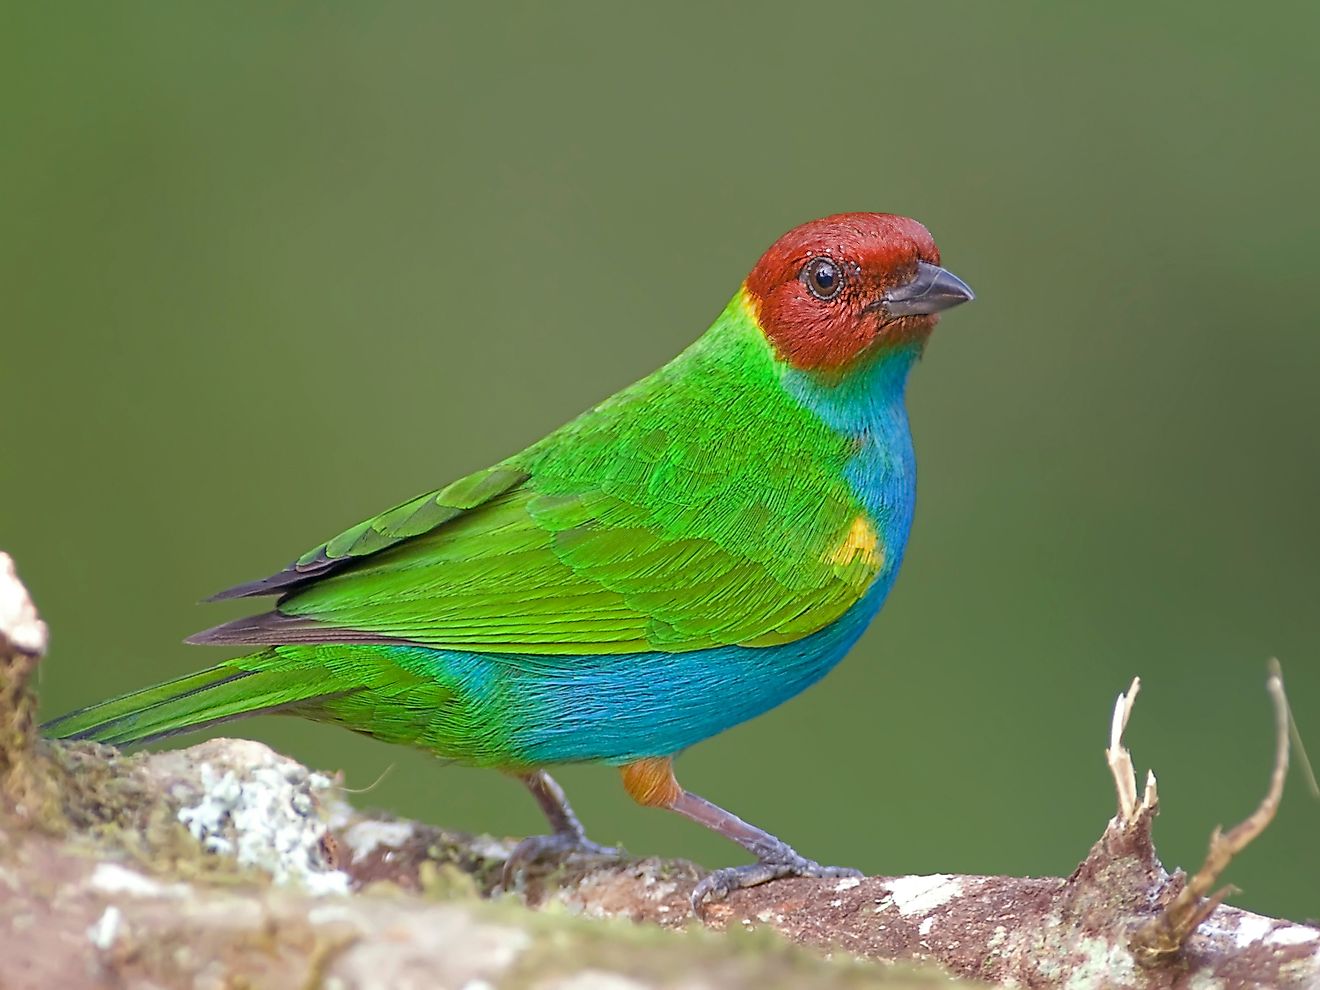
[(823, 277)]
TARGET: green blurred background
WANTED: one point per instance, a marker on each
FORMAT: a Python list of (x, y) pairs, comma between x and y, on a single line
[(267, 269)]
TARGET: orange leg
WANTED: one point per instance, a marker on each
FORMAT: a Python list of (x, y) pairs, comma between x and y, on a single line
[(651, 783)]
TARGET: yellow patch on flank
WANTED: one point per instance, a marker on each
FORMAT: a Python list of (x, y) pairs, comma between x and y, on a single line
[(860, 543)]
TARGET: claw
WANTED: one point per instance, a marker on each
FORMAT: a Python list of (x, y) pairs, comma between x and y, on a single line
[(557, 846), (719, 884)]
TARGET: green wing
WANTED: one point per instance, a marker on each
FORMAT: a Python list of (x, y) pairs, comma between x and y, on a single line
[(701, 507), (585, 573), (411, 518)]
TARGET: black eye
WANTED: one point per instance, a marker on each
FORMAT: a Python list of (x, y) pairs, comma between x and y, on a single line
[(823, 277)]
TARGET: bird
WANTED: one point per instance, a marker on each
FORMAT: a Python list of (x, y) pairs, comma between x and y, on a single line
[(684, 556)]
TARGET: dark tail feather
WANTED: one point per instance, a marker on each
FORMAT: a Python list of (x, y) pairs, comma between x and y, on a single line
[(278, 629)]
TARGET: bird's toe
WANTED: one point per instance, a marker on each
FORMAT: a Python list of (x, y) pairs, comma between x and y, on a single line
[(719, 884), (556, 847)]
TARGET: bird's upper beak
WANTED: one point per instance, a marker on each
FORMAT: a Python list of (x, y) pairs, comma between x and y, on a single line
[(931, 290)]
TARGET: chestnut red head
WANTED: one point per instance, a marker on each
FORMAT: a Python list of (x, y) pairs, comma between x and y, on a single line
[(829, 291)]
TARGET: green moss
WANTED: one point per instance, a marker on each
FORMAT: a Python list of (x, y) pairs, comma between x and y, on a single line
[(104, 800), (564, 944), (26, 788), (446, 882)]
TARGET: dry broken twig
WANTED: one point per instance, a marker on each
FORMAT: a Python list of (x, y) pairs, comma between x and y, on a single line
[(1120, 763), (1166, 934)]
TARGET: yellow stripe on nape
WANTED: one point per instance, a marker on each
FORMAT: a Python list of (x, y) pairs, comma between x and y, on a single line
[(749, 308)]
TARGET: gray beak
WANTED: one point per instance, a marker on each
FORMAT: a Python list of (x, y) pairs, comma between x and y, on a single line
[(933, 289)]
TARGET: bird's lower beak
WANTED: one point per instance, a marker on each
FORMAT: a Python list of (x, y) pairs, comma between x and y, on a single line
[(931, 290)]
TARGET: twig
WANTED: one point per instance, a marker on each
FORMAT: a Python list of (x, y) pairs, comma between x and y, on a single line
[(1120, 761), (1304, 761), (1164, 935)]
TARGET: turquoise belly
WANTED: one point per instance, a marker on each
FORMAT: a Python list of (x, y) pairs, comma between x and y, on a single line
[(543, 710)]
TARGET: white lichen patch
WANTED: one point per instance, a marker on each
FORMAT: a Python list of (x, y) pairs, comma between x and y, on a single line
[(1251, 928), (921, 895), (489, 847), (366, 836), (847, 883), (1101, 965), (111, 878), (103, 933), (1237, 927), (263, 811), (1292, 935)]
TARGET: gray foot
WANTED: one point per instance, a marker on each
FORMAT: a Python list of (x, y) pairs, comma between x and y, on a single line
[(719, 884), (556, 847)]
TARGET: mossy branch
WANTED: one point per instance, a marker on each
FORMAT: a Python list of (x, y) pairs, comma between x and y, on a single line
[(228, 864)]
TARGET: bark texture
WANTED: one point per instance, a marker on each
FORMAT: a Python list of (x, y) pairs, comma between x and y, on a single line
[(228, 865)]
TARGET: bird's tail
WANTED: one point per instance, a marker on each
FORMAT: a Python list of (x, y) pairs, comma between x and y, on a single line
[(234, 689)]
